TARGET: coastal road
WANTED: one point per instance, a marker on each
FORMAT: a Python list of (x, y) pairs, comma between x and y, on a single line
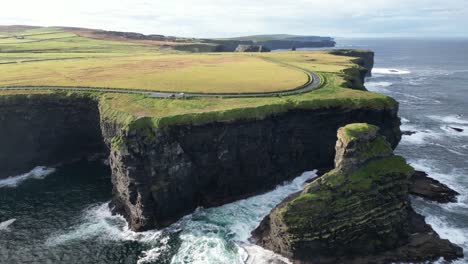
[(312, 83)]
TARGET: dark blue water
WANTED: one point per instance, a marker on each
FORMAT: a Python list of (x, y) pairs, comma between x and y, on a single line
[(63, 217), (48, 206), (430, 80)]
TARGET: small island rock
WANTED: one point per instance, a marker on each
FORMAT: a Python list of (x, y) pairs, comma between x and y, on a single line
[(359, 212)]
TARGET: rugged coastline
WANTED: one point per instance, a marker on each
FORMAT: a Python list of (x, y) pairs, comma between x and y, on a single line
[(191, 157), (42, 129), (172, 171), (163, 170), (359, 212)]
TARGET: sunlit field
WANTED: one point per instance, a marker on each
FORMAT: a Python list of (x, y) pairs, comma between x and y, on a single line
[(67, 60)]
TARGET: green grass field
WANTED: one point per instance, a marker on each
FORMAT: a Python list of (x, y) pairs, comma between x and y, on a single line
[(52, 57), (216, 73), (77, 61)]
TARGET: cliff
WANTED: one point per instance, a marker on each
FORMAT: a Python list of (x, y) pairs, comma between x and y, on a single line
[(364, 58), (359, 212), (162, 174), (170, 156), (273, 42), (45, 129), (291, 43)]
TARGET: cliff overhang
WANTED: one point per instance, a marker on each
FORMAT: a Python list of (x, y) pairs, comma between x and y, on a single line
[(167, 159)]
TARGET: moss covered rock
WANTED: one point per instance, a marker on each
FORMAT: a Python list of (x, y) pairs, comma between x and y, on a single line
[(361, 208)]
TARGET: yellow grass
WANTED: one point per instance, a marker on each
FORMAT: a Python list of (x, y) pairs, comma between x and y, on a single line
[(78, 61), (225, 73), (53, 57)]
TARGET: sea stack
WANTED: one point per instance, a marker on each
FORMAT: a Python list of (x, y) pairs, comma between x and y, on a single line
[(359, 212)]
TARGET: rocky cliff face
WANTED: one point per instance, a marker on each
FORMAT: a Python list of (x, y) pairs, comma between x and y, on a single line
[(365, 59), (252, 48), (160, 175), (46, 130), (289, 44), (357, 213), (229, 45)]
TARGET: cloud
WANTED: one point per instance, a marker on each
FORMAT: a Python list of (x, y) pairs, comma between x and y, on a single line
[(221, 18)]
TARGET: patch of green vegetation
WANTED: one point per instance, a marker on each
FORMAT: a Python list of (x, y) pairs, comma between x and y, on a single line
[(375, 148), (53, 57), (357, 130), (353, 79), (373, 170), (60, 59), (116, 142), (336, 192)]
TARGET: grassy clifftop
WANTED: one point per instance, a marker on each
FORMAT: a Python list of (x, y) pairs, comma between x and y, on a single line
[(334, 91), (53, 57)]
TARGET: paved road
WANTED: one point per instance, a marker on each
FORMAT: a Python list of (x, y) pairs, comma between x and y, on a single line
[(313, 82)]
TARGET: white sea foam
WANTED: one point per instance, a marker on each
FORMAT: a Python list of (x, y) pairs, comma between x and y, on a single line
[(404, 120), (431, 137), (455, 234), (452, 132), (447, 230), (450, 119), (378, 86), (4, 226), (389, 71), (451, 179), (37, 173), (220, 235), (154, 254), (449, 149), (440, 216), (99, 222), (257, 254), (212, 235), (420, 137), (417, 98), (426, 136)]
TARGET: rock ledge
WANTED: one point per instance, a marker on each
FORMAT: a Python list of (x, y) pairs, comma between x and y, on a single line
[(359, 212)]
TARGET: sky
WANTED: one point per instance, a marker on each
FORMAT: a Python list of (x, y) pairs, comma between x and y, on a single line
[(228, 18)]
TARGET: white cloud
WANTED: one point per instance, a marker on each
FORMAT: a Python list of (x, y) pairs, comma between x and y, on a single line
[(211, 18)]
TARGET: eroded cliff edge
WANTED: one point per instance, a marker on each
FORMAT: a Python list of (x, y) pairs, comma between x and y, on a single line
[(160, 175), (359, 212), (163, 168), (47, 129)]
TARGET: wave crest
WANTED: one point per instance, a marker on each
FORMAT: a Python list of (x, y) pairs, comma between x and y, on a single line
[(390, 71), (6, 224), (37, 173)]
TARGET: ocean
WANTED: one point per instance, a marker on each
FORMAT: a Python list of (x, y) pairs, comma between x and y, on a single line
[(61, 215)]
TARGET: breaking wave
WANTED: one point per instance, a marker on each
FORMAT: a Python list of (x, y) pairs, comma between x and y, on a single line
[(389, 71), (220, 234), (98, 222), (444, 218), (428, 166), (4, 226), (450, 119), (209, 235), (419, 136), (456, 130), (37, 173), (378, 86)]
